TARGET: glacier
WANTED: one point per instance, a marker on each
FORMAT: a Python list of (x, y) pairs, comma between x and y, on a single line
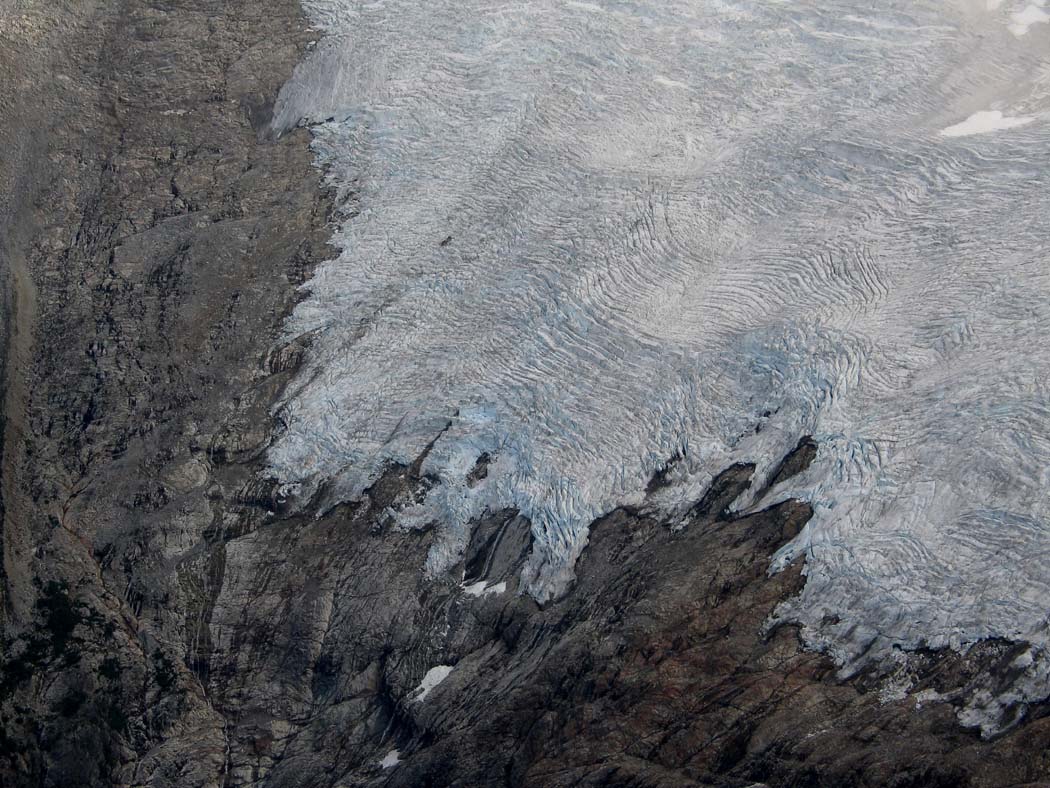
[(585, 239)]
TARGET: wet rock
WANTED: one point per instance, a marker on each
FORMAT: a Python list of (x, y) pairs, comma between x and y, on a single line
[(797, 460), (499, 547)]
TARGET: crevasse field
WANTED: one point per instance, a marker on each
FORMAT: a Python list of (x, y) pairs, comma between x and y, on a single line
[(588, 237)]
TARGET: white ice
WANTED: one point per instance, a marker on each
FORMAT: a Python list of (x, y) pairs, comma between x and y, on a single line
[(552, 254), (391, 759), (984, 122)]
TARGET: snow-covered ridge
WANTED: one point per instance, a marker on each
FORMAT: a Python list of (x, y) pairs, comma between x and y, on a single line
[(589, 237)]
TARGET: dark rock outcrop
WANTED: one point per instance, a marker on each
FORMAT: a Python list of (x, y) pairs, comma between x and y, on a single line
[(167, 623)]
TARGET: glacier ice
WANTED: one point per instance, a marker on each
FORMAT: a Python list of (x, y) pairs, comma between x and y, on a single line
[(585, 238)]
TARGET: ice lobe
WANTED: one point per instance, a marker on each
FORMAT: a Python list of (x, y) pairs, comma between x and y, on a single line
[(585, 238)]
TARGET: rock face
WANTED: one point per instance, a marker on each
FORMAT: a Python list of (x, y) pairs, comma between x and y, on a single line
[(151, 245), (167, 623)]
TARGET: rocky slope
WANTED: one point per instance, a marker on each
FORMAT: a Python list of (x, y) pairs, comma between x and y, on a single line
[(152, 243), (166, 623)]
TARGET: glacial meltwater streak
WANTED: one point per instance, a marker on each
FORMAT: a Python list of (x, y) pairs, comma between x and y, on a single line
[(588, 237)]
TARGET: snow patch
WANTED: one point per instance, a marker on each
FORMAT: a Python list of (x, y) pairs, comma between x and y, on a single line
[(482, 587), (391, 759), (433, 677), (1032, 14), (984, 122), (926, 696)]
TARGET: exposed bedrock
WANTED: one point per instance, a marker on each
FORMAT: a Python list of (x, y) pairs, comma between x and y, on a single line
[(657, 668), (150, 244), (168, 621)]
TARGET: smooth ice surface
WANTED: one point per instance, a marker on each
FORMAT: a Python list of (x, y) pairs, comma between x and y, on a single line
[(433, 677), (1032, 14), (984, 122), (587, 237)]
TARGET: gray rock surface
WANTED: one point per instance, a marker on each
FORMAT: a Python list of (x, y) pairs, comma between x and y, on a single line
[(151, 244), (167, 623)]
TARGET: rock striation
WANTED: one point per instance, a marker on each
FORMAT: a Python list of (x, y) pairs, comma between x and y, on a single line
[(171, 620)]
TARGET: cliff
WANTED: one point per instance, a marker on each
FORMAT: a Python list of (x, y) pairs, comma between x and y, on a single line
[(167, 622)]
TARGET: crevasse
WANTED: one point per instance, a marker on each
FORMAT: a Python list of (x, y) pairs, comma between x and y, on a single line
[(585, 238)]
